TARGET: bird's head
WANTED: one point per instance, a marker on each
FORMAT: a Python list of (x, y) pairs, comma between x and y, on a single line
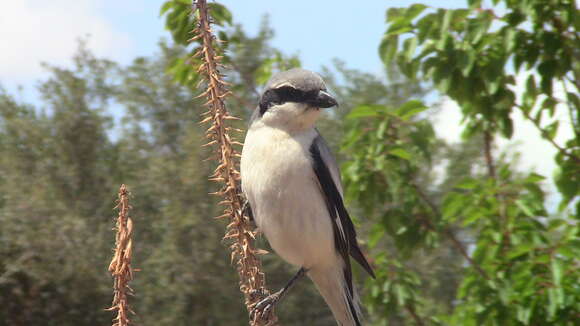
[(292, 100)]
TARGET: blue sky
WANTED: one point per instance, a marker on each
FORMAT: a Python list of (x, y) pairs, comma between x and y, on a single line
[(318, 30), (322, 30), (47, 31)]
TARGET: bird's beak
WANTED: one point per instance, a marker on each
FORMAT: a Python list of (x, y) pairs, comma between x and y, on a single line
[(323, 100)]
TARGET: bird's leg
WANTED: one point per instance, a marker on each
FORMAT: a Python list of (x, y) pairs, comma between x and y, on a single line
[(247, 210), (264, 307)]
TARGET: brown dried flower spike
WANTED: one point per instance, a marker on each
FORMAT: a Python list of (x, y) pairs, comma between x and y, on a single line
[(120, 266), (239, 232)]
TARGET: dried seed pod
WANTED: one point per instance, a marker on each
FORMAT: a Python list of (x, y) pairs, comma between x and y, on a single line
[(120, 266)]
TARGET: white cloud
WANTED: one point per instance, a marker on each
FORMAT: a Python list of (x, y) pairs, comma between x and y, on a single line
[(34, 31), (448, 121)]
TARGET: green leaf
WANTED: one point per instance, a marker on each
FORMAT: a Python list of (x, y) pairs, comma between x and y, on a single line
[(467, 184), (531, 93), (452, 205), (552, 303), (509, 39), (557, 271), (410, 109), (520, 251), (365, 111), (398, 27), (549, 104), (459, 17), (375, 236), (547, 70), (388, 48), (506, 127), (409, 47), (446, 21), (375, 291), (401, 294), (399, 152), (166, 6), (525, 208), (534, 177), (573, 100), (382, 129), (220, 13), (568, 252), (264, 71), (426, 25), (394, 13), (474, 3), (552, 129), (556, 223), (466, 60), (414, 11), (524, 313), (478, 27)]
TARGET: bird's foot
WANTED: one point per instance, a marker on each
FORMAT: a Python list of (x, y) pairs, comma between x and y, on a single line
[(265, 307), (258, 294)]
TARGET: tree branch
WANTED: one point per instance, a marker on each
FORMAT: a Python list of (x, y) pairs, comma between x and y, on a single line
[(411, 310), (546, 136), (487, 144), (446, 231), (573, 119)]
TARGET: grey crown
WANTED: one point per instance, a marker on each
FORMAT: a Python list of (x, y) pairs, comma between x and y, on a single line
[(302, 79)]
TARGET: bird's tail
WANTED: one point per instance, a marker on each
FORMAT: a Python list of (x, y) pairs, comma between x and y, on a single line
[(334, 288)]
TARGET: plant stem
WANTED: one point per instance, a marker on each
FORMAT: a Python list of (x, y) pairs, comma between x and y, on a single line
[(244, 252)]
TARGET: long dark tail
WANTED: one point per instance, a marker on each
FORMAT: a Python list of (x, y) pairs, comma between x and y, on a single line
[(333, 287)]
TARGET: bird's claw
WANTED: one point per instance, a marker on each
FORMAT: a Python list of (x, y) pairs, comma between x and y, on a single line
[(264, 308), (260, 293)]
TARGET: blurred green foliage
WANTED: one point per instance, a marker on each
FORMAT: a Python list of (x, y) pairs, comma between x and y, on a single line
[(100, 124)]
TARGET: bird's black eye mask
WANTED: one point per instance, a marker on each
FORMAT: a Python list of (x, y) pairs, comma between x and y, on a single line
[(285, 94)]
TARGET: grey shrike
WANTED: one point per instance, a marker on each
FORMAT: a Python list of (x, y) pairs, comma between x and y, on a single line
[(293, 188)]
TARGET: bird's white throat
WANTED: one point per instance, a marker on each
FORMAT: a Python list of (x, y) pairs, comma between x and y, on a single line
[(290, 117)]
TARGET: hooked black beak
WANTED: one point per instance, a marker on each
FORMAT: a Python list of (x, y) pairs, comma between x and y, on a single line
[(323, 100)]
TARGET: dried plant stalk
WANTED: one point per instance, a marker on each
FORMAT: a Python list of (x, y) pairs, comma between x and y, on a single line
[(243, 251), (120, 267)]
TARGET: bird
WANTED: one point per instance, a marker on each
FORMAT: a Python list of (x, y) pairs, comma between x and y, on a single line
[(294, 194)]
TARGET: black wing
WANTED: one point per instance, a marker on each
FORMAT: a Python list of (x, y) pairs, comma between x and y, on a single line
[(328, 176)]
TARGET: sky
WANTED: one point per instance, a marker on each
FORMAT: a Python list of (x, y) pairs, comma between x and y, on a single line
[(35, 31)]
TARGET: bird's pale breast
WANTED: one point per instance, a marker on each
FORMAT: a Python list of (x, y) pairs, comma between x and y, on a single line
[(278, 179)]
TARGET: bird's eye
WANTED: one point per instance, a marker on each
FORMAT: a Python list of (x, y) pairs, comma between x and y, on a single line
[(284, 94), (290, 94), (269, 98)]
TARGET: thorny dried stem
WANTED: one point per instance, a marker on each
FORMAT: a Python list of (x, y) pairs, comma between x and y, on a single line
[(239, 232), (120, 267)]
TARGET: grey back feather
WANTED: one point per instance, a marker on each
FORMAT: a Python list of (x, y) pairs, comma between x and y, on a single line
[(329, 160)]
